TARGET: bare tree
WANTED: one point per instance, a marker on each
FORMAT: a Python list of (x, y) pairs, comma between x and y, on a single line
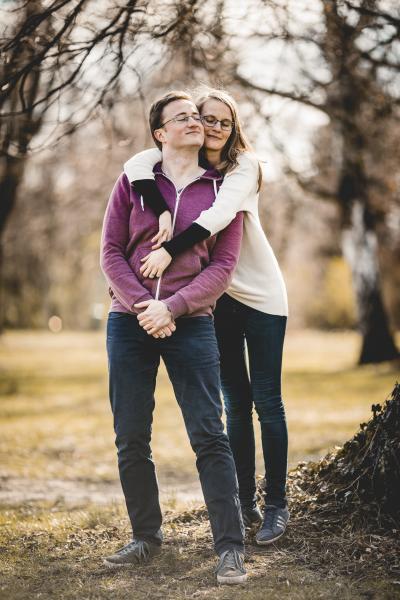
[(348, 67), (63, 58), (67, 61)]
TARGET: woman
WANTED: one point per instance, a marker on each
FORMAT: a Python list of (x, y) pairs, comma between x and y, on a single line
[(253, 309)]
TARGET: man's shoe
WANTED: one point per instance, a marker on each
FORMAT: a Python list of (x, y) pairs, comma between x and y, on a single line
[(274, 525), (135, 553), (251, 516), (230, 568)]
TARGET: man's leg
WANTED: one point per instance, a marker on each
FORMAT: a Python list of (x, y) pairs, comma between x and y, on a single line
[(133, 362), (192, 360)]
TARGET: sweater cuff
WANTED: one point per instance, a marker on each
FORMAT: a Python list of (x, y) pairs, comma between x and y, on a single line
[(138, 300), (176, 305), (152, 197), (186, 239)]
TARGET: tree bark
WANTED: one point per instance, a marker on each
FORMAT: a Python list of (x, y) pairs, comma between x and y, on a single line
[(360, 246), (348, 98), (11, 173)]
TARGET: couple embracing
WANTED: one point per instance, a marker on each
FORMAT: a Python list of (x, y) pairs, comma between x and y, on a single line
[(181, 239)]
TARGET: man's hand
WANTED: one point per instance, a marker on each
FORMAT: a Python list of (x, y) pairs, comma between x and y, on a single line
[(155, 317), (164, 230), (165, 331), (155, 263)]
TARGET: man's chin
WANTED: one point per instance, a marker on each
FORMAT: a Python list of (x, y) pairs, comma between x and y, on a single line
[(194, 144)]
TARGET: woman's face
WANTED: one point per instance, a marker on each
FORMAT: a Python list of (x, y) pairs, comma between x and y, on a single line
[(215, 135)]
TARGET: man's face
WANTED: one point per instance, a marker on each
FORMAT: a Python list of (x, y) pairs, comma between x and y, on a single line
[(180, 134)]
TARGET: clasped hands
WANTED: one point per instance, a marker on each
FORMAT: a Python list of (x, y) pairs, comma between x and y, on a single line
[(156, 319)]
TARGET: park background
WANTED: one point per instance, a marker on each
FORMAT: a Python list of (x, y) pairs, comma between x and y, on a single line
[(318, 88)]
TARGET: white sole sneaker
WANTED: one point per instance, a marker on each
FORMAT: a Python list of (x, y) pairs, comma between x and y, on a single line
[(268, 542), (112, 565), (232, 580)]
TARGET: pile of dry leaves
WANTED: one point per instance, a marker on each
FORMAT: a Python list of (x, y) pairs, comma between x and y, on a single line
[(360, 481)]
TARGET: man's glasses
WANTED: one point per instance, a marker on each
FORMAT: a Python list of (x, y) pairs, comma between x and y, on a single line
[(183, 119), (211, 121)]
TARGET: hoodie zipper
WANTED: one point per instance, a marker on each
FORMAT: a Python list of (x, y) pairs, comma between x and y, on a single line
[(177, 200)]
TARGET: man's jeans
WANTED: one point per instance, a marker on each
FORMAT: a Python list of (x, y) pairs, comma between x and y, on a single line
[(192, 361), (264, 334)]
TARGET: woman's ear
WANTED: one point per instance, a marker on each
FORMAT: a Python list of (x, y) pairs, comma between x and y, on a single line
[(159, 135)]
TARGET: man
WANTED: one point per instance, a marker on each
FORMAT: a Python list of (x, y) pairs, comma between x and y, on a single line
[(170, 318)]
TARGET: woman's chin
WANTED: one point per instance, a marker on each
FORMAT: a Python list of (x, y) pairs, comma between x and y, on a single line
[(213, 145)]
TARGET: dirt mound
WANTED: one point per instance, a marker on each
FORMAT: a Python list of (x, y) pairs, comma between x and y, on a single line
[(359, 482)]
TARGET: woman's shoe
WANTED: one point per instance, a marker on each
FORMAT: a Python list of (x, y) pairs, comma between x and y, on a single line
[(251, 516), (274, 525)]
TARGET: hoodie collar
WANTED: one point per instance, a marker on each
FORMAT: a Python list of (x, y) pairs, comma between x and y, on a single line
[(208, 174)]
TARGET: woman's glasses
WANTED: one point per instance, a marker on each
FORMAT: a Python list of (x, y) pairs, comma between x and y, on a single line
[(208, 121), (211, 121)]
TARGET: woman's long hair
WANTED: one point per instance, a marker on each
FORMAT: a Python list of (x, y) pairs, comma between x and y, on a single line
[(237, 142)]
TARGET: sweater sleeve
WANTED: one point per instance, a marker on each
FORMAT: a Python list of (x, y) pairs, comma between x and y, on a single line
[(232, 196), (139, 170), (114, 240), (210, 284), (186, 239), (140, 166), (234, 192), (152, 197)]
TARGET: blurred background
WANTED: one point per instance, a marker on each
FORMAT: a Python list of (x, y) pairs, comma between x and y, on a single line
[(318, 85)]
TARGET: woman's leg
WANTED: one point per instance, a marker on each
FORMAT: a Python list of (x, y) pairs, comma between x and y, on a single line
[(265, 336), (237, 394)]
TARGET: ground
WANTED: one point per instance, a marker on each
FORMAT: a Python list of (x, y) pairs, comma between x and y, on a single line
[(61, 505)]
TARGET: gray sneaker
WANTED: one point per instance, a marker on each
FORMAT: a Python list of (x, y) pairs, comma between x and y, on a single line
[(135, 553), (274, 525), (230, 568)]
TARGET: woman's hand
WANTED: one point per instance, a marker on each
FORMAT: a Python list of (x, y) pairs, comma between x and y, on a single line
[(155, 317), (164, 230), (155, 263)]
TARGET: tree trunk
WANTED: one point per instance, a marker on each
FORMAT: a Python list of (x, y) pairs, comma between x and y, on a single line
[(11, 173), (17, 131), (359, 244)]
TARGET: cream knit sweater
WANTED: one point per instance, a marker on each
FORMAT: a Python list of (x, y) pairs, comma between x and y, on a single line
[(257, 280)]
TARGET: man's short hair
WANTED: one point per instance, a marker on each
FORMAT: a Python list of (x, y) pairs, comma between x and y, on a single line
[(158, 106)]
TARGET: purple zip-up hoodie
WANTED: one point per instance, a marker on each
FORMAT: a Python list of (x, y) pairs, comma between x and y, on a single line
[(196, 278)]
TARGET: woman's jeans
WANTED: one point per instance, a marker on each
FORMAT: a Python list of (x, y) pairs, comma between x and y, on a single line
[(264, 334), (192, 361)]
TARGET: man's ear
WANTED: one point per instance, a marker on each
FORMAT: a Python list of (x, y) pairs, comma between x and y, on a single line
[(159, 135)]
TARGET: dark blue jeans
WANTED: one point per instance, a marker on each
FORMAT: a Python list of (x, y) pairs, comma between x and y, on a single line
[(192, 361), (235, 324)]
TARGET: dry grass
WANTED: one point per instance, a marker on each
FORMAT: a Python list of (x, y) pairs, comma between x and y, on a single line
[(55, 412), (52, 551), (56, 423)]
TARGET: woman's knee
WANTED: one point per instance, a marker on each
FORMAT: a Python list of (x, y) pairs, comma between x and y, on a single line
[(270, 409)]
